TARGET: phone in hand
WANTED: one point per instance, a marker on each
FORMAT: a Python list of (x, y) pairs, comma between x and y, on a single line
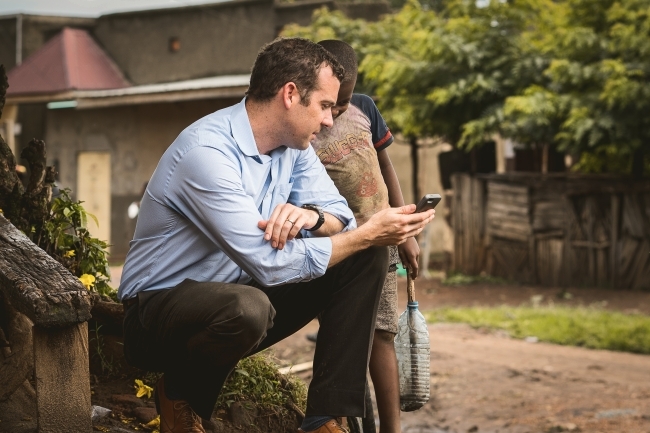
[(429, 201)]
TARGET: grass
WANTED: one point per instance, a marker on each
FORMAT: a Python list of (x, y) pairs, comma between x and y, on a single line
[(586, 327), (459, 279), (256, 379)]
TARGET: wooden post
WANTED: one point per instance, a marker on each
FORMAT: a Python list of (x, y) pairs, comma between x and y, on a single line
[(62, 379)]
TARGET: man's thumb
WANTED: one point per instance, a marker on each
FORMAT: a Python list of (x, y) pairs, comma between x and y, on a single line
[(407, 209)]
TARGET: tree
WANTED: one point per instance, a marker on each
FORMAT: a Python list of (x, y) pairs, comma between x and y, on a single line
[(595, 95), (573, 74)]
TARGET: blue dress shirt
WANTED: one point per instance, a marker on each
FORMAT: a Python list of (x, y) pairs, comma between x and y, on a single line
[(199, 214)]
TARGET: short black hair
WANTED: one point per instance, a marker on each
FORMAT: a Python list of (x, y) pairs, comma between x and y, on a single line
[(287, 60), (346, 56)]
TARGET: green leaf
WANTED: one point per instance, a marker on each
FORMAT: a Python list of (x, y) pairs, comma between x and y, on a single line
[(94, 218)]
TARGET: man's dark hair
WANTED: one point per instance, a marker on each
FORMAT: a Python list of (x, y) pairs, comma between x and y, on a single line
[(346, 56), (286, 60)]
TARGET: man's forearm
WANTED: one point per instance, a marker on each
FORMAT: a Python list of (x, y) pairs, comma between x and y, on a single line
[(348, 243), (330, 227)]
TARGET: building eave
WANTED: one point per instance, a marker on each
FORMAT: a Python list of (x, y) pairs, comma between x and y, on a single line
[(221, 87)]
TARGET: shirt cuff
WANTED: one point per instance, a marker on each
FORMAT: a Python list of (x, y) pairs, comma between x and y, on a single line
[(319, 252)]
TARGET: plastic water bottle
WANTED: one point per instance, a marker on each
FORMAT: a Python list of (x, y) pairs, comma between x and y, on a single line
[(413, 357)]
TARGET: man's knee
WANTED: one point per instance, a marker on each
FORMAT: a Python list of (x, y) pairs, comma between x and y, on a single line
[(251, 314)]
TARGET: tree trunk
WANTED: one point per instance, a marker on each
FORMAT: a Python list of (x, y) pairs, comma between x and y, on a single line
[(637, 164), (415, 164)]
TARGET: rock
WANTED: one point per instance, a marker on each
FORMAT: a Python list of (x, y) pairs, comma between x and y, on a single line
[(213, 426), (472, 429), (18, 412), (242, 414), (127, 400), (145, 414), (98, 412)]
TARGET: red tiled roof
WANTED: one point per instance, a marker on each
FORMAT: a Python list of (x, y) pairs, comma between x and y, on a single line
[(71, 60)]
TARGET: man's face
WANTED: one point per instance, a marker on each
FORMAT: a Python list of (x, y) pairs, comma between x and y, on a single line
[(344, 97), (307, 121)]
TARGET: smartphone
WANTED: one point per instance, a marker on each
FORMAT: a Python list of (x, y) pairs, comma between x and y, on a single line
[(429, 201)]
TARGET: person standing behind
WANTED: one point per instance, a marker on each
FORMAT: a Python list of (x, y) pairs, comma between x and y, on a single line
[(216, 270), (354, 154)]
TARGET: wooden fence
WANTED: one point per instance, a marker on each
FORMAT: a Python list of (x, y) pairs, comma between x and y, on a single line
[(555, 230)]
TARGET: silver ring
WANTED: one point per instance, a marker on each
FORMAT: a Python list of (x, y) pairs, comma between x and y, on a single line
[(292, 222)]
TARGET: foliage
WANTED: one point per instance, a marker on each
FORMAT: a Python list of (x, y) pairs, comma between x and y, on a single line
[(64, 235), (434, 71), (573, 74), (256, 379), (459, 279), (588, 327), (108, 365)]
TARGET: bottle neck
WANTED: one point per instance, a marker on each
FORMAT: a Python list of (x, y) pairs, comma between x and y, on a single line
[(412, 305)]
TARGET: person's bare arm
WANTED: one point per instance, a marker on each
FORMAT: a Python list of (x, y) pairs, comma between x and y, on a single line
[(392, 226), (409, 251)]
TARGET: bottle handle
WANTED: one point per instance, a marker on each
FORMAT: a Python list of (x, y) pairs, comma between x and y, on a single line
[(410, 286)]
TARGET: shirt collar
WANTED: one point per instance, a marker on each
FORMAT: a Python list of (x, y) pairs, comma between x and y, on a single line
[(243, 133)]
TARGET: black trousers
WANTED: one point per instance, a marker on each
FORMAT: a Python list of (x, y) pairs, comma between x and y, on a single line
[(196, 332)]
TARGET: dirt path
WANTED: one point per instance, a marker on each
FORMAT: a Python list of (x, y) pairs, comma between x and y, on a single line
[(487, 382)]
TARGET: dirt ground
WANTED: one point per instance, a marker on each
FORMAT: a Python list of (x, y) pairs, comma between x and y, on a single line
[(487, 382), (484, 381)]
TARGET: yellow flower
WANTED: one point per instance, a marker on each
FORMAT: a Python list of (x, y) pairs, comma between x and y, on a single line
[(69, 253), (154, 422), (142, 389), (87, 280)]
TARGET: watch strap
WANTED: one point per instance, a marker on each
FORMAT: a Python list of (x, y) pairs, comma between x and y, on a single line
[(321, 215)]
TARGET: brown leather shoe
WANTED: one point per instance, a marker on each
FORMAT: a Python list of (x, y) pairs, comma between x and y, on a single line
[(330, 426), (176, 416)]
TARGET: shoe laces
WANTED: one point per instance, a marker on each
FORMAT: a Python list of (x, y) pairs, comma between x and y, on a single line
[(190, 420)]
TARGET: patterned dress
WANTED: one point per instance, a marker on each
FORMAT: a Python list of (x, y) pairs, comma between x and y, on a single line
[(348, 150)]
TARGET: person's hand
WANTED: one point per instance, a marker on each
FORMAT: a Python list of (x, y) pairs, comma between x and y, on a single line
[(409, 254), (393, 226), (285, 223)]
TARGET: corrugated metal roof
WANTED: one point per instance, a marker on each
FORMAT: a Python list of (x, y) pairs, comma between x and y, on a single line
[(219, 87), (71, 60), (174, 86)]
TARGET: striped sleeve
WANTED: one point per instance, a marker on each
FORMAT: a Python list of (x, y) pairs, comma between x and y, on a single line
[(381, 135)]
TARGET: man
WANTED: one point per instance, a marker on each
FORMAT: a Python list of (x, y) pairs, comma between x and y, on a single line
[(217, 270)]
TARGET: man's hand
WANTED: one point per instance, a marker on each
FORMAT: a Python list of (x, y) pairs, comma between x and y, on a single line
[(393, 226), (409, 254), (285, 223)]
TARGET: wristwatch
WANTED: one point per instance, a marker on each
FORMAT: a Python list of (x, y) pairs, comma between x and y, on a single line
[(319, 211)]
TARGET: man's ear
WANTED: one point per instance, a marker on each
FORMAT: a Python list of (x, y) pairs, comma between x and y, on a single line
[(290, 94)]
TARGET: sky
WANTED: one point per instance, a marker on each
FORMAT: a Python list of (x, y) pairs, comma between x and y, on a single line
[(88, 8)]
